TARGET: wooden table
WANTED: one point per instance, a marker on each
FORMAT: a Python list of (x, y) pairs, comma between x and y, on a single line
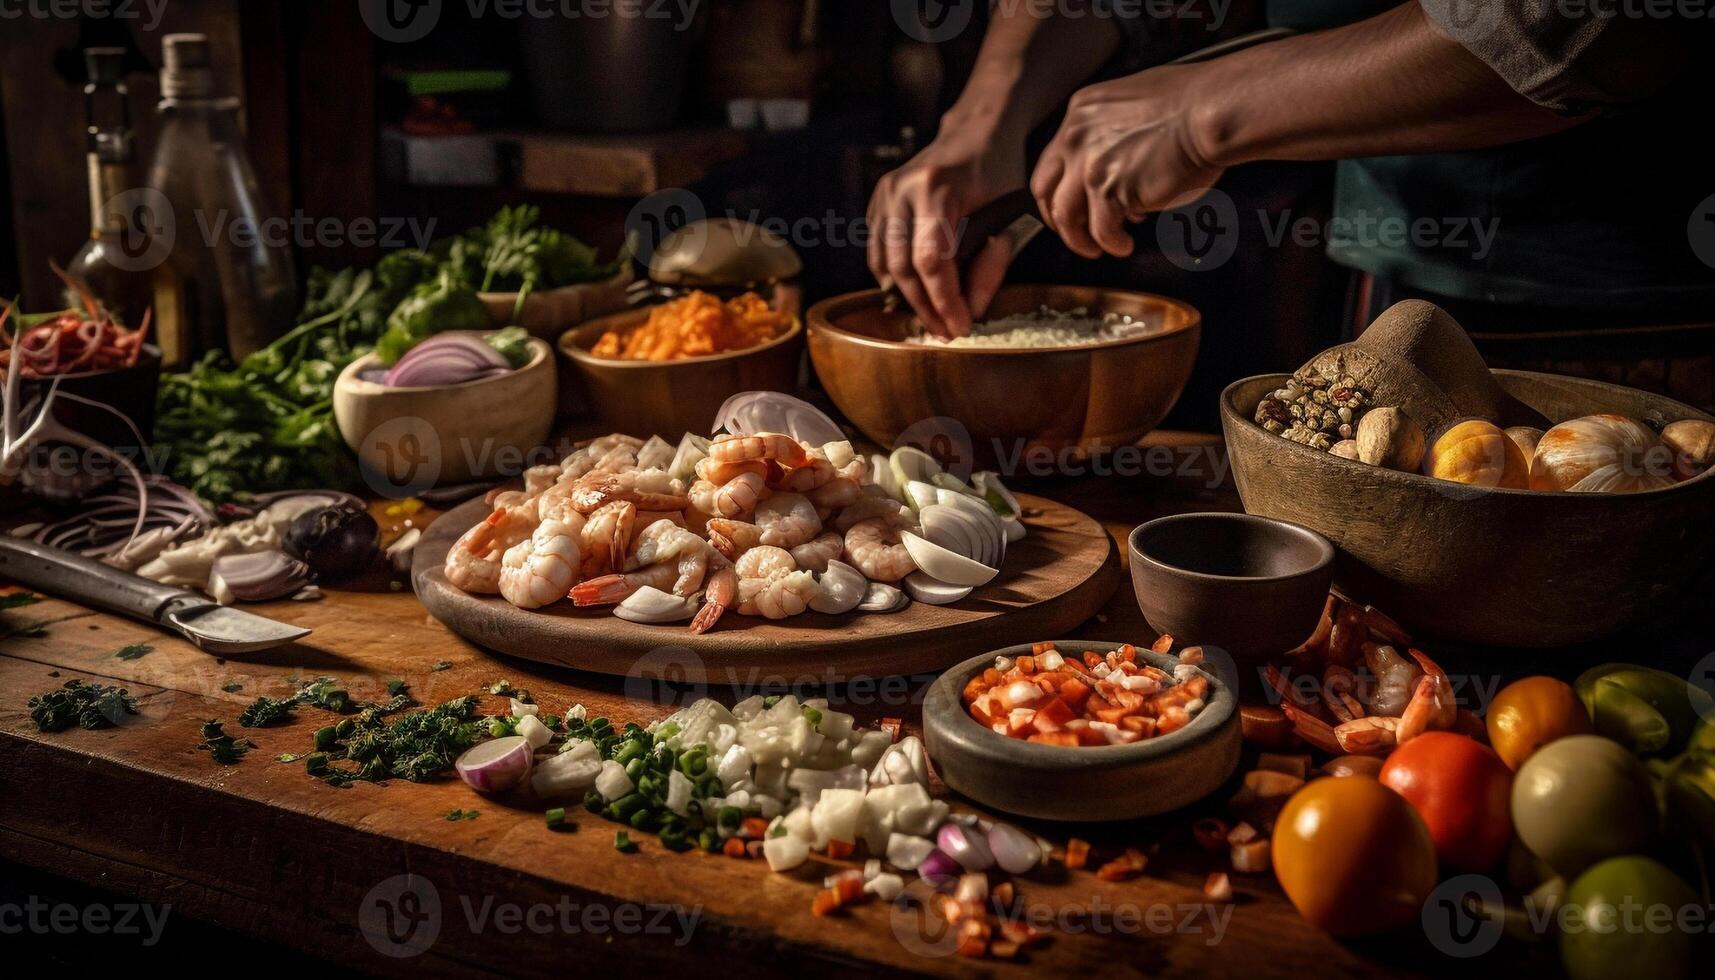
[(261, 848)]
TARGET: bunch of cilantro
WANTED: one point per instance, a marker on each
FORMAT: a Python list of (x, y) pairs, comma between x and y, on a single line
[(228, 431)]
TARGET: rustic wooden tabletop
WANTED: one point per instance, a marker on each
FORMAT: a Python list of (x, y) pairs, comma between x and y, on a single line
[(374, 877)]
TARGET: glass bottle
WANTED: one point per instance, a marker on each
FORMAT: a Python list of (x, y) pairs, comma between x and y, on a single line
[(114, 263), (228, 281)]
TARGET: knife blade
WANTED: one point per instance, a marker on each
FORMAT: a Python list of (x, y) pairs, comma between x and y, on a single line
[(212, 627)]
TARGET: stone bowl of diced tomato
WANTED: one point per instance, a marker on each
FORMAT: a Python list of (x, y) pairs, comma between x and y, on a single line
[(1068, 751)]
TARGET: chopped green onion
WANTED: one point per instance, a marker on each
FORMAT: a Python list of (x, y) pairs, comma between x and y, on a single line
[(622, 843), (556, 817)]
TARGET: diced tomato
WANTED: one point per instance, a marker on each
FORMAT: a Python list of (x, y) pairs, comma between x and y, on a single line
[(1019, 694), (1127, 652), (839, 849), (893, 727), (1003, 949), (982, 709), (1218, 887), (1091, 736), (753, 828), (1041, 647), (1018, 722), (1171, 720), (849, 886), (1143, 725), (1092, 658), (1054, 715), (1097, 703), (1025, 664), (1002, 895), (1125, 867), (991, 677), (1075, 693), (734, 847), (973, 938), (826, 902), (1068, 739), (1077, 853), (974, 689), (1163, 643)]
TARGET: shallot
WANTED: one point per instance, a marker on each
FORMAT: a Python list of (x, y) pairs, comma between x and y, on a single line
[(496, 765), (1013, 849), (965, 846)]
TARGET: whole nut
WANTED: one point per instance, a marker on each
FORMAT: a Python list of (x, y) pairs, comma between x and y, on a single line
[(1388, 437), (1693, 445), (1345, 449)]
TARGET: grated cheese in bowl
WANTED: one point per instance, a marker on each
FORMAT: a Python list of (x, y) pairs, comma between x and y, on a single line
[(1076, 327)]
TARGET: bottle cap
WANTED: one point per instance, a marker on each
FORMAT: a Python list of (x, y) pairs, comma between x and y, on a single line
[(185, 69)]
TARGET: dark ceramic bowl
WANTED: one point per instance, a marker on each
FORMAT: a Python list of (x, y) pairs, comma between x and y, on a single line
[(1088, 783), (1252, 586)]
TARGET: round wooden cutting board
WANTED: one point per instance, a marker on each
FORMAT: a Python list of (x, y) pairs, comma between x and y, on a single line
[(1053, 580)]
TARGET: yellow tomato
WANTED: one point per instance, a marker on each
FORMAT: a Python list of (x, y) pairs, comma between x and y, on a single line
[(1480, 454), (1353, 856), (1528, 714)]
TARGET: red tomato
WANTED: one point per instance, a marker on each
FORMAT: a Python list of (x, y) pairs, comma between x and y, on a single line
[(1463, 792)]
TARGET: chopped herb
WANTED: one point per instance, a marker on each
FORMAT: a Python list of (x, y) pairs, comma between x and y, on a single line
[(812, 716), (267, 711), (288, 757), (18, 600), (440, 665), (225, 749), (53, 673), (622, 843), (85, 705), (504, 688), (397, 686), (135, 651), (232, 688), (462, 815), (414, 747)]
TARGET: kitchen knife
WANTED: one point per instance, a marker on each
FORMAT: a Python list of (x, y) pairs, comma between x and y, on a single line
[(211, 626)]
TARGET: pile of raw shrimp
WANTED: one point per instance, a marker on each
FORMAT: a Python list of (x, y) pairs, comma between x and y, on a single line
[(770, 527)]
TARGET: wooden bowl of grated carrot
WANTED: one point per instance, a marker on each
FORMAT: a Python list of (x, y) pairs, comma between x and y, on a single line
[(667, 368)]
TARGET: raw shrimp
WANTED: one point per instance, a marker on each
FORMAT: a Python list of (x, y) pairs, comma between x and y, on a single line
[(473, 562), (1338, 684), (815, 471), (648, 518), (538, 571), (648, 489), (1395, 679), (778, 597), (734, 500), (538, 479), (716, 472), (721, 593), (605, 537), (874, 548), (815, 554), (866, 508), (613, 440), (575, 465), (665, 542), (733, 539), (605, 590), (787, 520), (782, 449), (836, 494), (764, 562), (555, 504), (1375, 734)]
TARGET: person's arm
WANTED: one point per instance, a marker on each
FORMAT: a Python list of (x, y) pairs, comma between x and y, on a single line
[(1027, 67), (1390, 84)]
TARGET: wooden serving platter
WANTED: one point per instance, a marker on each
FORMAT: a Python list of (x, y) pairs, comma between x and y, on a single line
[(1056, 578)]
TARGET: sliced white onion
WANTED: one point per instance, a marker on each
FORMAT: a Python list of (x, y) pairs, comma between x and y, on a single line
[(651, 605), (947, 528), (883, 598), (565, 774), (750, 412), (882, 473), (947, 566), (839, 590), (925, 589), (1014, 529), (495, 765), (919, 494), (988, 486), (692, 450), (656, 454)]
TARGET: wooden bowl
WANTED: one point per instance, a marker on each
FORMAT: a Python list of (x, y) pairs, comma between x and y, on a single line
[(1250, 585), (1486, 566), (548, 313), (670, 398), (413, 438), (1059, 399), (1088, 783)]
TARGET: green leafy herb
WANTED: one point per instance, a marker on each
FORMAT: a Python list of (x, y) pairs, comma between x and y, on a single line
[(440, 665), (289, 757), (265, 711), (462, 815), (444, 303), (233, 688), (225, 749), (85, 705), (513, 343), (414, 747), (18, 600), (134, 651), (397, 686)]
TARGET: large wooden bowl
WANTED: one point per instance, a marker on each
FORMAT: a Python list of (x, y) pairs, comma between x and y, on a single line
[(670, 398), (1065, 400), (1486, 566)]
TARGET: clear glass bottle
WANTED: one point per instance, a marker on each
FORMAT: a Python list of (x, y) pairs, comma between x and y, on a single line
[(228, 280), (114, 263)]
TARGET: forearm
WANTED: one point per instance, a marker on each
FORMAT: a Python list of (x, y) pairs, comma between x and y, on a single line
[(1387, 85), (1028, 66)]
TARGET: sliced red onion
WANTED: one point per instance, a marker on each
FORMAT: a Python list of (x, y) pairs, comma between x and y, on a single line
[(966, 846), (446, 359), (496, 765), (257, 577), (750, 412), (1013, 849), (105, 527), (939, 870)]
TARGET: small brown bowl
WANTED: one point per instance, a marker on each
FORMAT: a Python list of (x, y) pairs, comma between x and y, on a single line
[(1087, 783), (1069, 401), (670, 398), (1250, 585), (547, 313)]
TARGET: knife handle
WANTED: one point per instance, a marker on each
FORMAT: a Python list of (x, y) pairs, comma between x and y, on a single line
[(71, 576)]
